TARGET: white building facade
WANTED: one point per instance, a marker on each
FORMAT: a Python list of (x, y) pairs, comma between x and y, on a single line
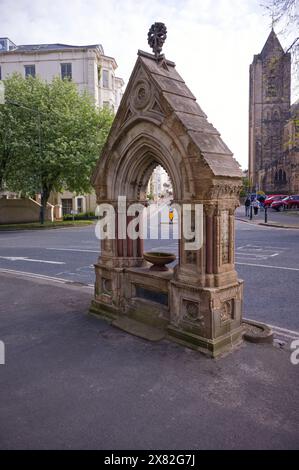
[(87, 66), (159, 184)]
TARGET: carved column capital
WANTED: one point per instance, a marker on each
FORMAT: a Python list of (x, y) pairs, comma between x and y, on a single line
[(209, 210)]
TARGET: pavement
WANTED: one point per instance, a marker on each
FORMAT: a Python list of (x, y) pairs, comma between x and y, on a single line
[(72, 381), (283, 219)]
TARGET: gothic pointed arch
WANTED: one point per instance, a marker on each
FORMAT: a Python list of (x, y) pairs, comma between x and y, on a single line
[(160, 123)]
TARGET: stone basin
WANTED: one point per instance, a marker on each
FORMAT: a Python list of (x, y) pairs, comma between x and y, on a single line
[(159, 260)]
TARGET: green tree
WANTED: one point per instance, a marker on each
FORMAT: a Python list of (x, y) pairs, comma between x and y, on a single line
[(50, 137), (246, 187)]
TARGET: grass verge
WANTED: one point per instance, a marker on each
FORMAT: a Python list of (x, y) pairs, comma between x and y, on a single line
[(46, 225)]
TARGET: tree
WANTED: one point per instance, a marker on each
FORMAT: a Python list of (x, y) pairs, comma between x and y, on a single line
[(284, 10), (50, 137), (245, 186)]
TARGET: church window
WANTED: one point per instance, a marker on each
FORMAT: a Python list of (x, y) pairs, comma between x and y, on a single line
[(267, 115), (276, 116), (280, 176)]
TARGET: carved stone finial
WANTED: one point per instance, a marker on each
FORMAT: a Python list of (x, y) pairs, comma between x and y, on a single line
[(156, 37)]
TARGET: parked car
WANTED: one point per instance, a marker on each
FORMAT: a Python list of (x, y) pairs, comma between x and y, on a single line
[(289, 202), (270, 199), (293, 202)]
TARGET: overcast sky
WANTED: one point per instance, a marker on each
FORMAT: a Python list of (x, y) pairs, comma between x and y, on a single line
[(212, 43)]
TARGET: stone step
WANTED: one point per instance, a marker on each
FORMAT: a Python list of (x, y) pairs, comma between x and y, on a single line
[(139, 329)]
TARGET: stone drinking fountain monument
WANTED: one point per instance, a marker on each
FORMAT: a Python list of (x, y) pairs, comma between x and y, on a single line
[(198, 303)]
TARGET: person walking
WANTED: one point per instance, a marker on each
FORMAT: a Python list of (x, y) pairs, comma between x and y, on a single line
[(247, 206), (171, 215), (256, 206)]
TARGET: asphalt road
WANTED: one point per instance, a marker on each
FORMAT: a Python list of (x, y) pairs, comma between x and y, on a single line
[(267, 259), (72, 381)]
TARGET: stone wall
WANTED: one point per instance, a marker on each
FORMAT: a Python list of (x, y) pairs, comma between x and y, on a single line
[(15, 211)]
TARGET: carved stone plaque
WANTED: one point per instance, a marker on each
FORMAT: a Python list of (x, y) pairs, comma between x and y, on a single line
[(225, 236), (191, 312), (227, 311)]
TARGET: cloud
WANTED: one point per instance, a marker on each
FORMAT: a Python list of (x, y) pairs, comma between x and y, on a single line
[(211, 41)]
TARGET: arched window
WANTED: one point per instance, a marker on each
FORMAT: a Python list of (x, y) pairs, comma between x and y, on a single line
[(267, 115), (284, 177), (276, 176), (280, 175), (276, 115)]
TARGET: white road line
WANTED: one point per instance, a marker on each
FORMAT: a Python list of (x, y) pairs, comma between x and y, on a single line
[(24, 258), (274, 327), (73, 249), (283, 332), (253, 226), (284, 335), (42, 276), (267, 266)]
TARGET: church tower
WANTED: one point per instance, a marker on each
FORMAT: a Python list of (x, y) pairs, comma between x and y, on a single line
[(269, 107)]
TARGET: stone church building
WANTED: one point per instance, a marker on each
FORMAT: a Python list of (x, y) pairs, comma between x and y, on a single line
[(273, 122)]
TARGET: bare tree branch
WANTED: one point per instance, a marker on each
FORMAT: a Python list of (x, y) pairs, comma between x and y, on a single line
[(285, 14)]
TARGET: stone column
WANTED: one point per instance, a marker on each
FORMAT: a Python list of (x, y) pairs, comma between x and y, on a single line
[(210, 248)]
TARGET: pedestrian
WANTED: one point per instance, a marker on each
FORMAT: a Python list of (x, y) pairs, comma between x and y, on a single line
[(171, 215), (256, 206), (247, 206)]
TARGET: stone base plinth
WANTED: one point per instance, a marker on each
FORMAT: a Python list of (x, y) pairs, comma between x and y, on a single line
[(206, 319), (210, 347)]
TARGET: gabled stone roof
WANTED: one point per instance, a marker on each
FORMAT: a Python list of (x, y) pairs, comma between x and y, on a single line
[(183, 103), (180, 106)]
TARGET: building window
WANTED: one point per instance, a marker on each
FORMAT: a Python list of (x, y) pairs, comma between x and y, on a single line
[(105, 79), (272, 84), (80, 204), (99, 73), (66, 71), (67, 206), (29, 71)]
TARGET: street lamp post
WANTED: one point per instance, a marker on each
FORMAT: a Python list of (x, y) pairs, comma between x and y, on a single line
[(3, 100)]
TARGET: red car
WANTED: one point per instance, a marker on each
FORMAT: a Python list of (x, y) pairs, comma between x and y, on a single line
[(289, 202), (270, 199)]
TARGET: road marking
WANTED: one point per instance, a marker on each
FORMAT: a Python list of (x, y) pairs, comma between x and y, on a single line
[(284, 335), (283, 332), (254, 226), (274, 327), (24, 258), (267, 266), (256, 255), (73, 249), (43, 277)]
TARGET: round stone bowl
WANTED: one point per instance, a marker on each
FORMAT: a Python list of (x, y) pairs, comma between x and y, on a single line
[(159, 260)]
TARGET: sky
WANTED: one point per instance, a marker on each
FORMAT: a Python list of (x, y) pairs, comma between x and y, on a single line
[(212, 43)]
